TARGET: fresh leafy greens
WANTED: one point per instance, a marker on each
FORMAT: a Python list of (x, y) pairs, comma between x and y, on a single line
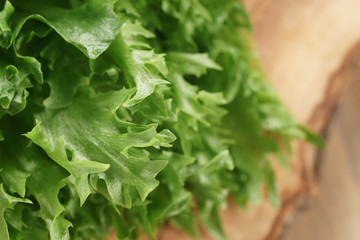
[(127, 114)]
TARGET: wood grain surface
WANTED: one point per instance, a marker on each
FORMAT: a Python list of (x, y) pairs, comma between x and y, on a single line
[(334, 213)]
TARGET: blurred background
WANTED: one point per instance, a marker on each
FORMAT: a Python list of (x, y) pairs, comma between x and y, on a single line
[(333, 212), (310, 50)]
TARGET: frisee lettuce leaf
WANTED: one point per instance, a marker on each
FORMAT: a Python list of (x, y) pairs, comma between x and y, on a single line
[(130, 114)]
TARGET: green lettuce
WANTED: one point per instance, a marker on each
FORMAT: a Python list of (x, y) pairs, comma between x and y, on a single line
[(131, 114)]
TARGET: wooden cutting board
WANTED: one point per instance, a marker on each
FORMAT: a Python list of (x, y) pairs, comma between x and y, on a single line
[(334, 212), (307, 48)]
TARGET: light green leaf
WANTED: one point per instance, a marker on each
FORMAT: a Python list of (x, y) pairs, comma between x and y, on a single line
[(192, 63), (91, 27), (79, 168), (104, 141), (13, 84), (5, 30), (135, 63), (70, 70), (211, 98), (59, 229), (7, 201), (14, 178)]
